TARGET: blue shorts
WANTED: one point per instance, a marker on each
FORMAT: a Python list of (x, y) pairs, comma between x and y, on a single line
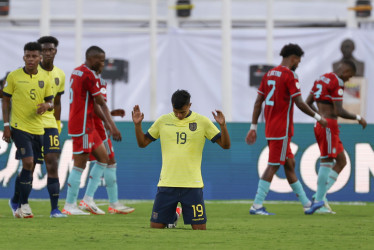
[(51, 141), (28, 145), (167, 198)]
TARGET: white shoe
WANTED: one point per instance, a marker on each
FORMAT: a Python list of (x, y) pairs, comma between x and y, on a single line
[(25, 211), (119, 208), (90, 206), (17, 213), (72, 209)]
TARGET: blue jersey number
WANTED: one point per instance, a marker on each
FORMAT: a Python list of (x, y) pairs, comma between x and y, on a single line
[(271, 93), (317, 94)]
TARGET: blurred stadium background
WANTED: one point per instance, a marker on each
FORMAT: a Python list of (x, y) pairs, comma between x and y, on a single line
[(217, 50)]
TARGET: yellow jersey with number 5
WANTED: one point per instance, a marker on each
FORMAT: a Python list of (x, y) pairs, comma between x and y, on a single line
[(26, 92), (182, 144), (57, 79)]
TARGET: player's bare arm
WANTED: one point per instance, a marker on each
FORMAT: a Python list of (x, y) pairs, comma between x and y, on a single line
[(118, 112), (6, 111), (99, 112), (307, 110), (224, 141), (340, 111), (116, 134), (137, 118), (43, 107), (310, 102), (252, 133)]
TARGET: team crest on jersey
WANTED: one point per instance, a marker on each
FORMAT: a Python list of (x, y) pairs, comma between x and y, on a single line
[(193, 126), (41, 84), (57, 81)]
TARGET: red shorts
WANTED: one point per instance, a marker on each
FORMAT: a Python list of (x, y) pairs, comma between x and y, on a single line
[(279, 151), (86, 143), (109, 149), (328, 139)]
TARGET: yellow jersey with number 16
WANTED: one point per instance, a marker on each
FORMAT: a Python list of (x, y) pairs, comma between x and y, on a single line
[(182, 144), (57, 80), (27, 91)]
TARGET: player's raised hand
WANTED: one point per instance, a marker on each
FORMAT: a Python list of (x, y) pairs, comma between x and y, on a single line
[(219, 117), (362, 122), (251, 137), (118, 112), (137, 115), (323, 122)]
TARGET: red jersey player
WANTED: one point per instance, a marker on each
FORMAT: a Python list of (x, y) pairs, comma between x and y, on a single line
[(84, 90), (280, 89), (328, 92), (110, 176)]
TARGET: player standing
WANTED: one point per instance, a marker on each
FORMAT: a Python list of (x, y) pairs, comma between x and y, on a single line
[(280, 89), (328, 92), (84, 90), (110, 176), (27, 94), (182, 135)]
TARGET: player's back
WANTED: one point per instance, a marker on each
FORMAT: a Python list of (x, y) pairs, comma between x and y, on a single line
[(278, 86), (84, 84), (328, 88)]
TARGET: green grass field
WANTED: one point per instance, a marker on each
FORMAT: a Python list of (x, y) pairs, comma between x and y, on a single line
[(229, 227)]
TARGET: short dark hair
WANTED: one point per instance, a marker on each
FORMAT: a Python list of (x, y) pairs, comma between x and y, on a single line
[(93, 51), (48, 39), (350, 64), (180, 98), (291, 49), (32, 46)]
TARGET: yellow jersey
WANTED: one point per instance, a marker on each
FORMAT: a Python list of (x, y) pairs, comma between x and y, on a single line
[(182, 143), (57, 80), (27, 91)]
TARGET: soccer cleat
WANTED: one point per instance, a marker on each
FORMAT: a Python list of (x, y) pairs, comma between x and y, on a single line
[(72, 209), (13, 206), (55, 213), (17, 213), (25, 211), (314, 207), (90, 207), (118, 208), (178, 213), (260, 211), (324, 210)]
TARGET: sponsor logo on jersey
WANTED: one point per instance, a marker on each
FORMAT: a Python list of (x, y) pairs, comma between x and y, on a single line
[(297, 85), (193, 126), (341, 92), (57, 81), (41, 84), (103, 91)]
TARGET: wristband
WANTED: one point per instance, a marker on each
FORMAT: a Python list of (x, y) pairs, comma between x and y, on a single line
[(358, 117), (253, 127), (317, 117), (50, 104), (6, 124)]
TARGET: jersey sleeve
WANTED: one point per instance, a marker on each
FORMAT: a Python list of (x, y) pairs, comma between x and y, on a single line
[(8, 86), (337, 90), (93, 84), (212, 133), (154, 130), (48, 95), (61, 89), (261, 89), (293, 85)]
